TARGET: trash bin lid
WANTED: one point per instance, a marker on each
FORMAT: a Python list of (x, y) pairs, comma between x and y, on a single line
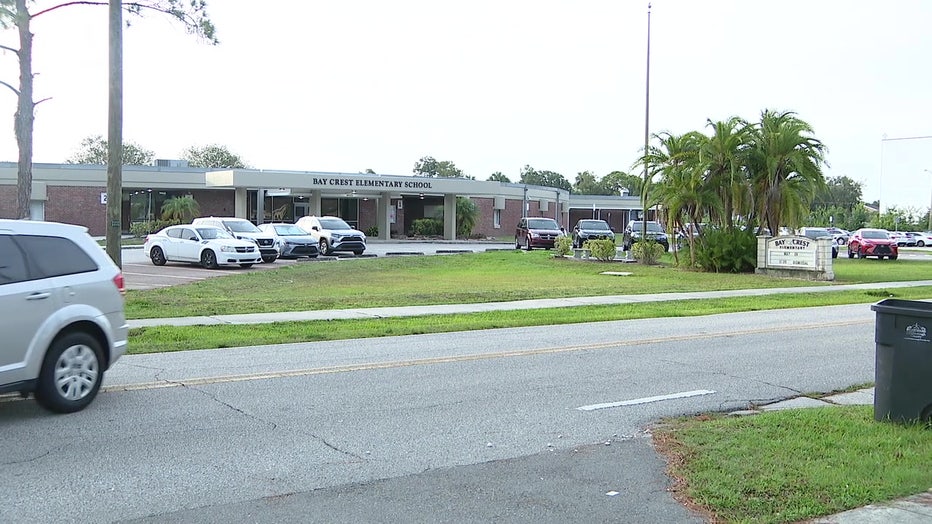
[(897, 306)]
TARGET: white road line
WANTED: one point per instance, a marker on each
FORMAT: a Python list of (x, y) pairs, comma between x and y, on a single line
[(645, 400)]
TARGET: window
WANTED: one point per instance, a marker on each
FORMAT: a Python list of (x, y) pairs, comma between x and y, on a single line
[(54, 256), (497, 218), (12, 264)]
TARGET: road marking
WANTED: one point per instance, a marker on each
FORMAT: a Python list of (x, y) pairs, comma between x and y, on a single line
[(646, 400)]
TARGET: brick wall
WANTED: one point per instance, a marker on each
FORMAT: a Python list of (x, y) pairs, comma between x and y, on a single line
[(77, 205)]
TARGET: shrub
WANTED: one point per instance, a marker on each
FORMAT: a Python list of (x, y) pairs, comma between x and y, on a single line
[(563, 245), (141, 229), (727, 250), (603, 250), (372, 231), (647, 251), (427, 227)]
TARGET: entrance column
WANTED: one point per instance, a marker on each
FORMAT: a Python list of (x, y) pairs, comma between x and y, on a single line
[(383, 218), (449, 216), (239, 202), (314, 202)]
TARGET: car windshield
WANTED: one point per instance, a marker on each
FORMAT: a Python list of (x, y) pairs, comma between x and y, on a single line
[(333, 223), (241, 226), (211, 233), (817, 233), (652, 227), (593, 224), (290, 230), (875, 234), (542, 223)]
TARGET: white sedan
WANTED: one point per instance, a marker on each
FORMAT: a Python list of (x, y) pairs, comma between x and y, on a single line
[(922, 239), (205, 245)]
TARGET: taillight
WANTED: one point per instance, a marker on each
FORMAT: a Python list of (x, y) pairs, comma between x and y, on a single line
[(118, 282)]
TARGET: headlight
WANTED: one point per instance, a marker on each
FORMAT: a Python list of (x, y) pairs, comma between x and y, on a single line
[(336, 236), (228, 249)]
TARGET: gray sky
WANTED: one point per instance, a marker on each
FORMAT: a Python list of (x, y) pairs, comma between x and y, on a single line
[(493, 85)]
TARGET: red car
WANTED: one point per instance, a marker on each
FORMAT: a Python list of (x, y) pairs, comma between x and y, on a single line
[(872, 243)]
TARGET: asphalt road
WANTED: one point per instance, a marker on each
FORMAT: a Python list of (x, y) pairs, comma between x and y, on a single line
[(543, 424)]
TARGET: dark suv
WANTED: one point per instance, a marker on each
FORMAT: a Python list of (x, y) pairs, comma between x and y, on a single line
[(537, 232), (654, 232), (591, 229)]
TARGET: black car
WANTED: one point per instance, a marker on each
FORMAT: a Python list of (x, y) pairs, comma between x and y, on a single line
[(654, 232), (591, 229)]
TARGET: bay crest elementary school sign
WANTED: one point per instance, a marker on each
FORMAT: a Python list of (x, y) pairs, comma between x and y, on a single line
[(795, 257)]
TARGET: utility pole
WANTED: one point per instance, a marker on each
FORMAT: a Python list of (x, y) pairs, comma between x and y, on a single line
[(115, 135)]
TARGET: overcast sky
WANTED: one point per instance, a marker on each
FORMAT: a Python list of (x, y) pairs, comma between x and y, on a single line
[(493, 85)]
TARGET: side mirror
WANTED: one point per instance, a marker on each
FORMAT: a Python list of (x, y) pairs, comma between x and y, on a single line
[(193, 238)]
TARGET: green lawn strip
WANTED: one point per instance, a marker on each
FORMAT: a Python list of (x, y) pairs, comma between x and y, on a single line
[(179, 338), (493, 276), (786, 466)]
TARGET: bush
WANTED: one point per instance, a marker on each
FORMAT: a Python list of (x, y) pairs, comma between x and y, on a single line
[(141, 229), (727, 250), (647, 251), (603, 250), (427, 227), (563, 245), (372, 231)]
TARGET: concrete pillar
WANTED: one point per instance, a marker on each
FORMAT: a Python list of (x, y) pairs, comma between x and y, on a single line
[(383, 220), (260, 206), (314, 202), (239, 202), (449, 216)]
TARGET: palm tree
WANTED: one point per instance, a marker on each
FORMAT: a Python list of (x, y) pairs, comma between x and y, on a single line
[(785, 168), (183, 209), (721, 156)]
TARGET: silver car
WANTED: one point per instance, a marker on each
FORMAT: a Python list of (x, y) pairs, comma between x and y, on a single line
[(61, 313), (292, 241)]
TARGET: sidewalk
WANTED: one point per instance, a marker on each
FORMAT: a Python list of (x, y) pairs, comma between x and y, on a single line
[(484, 307)]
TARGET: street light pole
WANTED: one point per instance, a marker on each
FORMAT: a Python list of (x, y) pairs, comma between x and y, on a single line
[(930, 204), (646, 133)]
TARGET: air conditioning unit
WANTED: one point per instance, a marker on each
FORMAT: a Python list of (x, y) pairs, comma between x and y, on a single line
[(170, 163)]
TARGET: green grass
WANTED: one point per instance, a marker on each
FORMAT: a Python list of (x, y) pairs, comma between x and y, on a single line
[(180, 338), (786, 466), (493, 276)]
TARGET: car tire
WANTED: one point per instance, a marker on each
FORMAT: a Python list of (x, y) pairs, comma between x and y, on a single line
[(921, 243), (71, 373), (245, 266), (517, 243), (209, 259), (850, 253), (893, 257), (157, 256), (358, 252), (269, 259), (528, 247), (323, 246)]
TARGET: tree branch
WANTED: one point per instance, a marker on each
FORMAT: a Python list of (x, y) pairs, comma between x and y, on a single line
[(66, 4), (11, 87), (43, 100), (10, 49)]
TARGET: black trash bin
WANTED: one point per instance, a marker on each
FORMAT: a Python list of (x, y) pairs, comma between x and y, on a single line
[(903, 360)]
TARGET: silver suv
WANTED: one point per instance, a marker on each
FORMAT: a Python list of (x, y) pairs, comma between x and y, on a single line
[(333, 234), (61, 313), (244, 230)]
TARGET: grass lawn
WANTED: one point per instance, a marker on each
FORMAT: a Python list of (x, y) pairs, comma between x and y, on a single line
[(787, 466)]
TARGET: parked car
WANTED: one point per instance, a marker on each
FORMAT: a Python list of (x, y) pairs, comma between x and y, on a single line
[(922, 239), (655, 232), (841, 236), (901, 238), (817, 233), (333, 234), (867, 242), (591, 229), (244, 230), (534, 232), (208, 246), (291, 240), (61, 313)]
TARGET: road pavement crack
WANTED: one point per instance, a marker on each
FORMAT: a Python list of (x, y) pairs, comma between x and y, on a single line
[(323, 441), (226, 404)]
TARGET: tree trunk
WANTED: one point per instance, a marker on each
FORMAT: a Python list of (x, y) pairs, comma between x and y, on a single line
[(115, 136), (25, 115)]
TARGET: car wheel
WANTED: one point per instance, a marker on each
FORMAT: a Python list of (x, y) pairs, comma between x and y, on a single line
[(921, 243), (323, 246), (71, 373), (245, 266), (517, 243), (269, 259), (209, 259), (893, 257), (157, 256), (358, 252), (850, 253), (528, 247)]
